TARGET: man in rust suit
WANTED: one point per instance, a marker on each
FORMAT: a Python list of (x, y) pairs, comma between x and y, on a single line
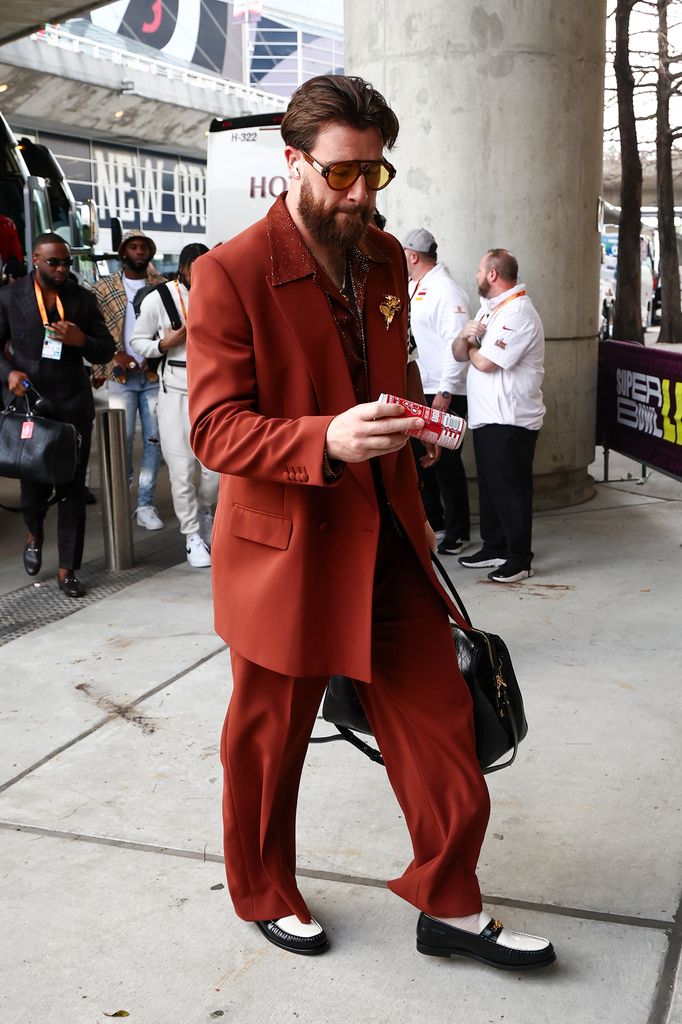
[(321, 560)]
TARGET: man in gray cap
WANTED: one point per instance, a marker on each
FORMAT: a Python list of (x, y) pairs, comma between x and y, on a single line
[(439, 309), (133, 386)]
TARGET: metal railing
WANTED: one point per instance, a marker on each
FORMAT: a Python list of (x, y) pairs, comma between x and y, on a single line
[(52, 35)]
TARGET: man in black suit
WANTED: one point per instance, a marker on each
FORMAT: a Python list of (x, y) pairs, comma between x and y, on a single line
[(52, 325)]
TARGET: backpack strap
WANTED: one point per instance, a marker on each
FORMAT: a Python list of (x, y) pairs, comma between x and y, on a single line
[(169, 306), (175, 321)]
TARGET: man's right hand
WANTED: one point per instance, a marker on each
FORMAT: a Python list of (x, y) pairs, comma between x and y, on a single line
[(125, 360), (374, 428), (473, 331), (468, 336), (14, 382), (173, 339)]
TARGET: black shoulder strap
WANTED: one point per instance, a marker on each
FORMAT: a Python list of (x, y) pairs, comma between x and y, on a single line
[(169, 306), (451, 587)]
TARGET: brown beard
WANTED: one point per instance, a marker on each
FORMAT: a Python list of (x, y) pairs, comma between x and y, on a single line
[(336, 229)]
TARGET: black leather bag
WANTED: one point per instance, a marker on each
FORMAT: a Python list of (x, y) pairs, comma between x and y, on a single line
[(499, 716), (35, 448)]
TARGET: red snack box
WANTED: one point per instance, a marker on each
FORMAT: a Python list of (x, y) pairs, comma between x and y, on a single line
[(441, 428)]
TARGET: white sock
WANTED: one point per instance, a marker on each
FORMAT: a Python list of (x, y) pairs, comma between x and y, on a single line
[(471, 923), (475, 923), (293, 926)]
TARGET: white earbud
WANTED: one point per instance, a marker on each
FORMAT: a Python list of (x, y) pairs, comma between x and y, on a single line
[(297, 173)]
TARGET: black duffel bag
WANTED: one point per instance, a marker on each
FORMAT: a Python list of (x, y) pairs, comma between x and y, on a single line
[(35, 448), (484, 660)]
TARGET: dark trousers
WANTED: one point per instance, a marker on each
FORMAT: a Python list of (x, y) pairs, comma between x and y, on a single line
[(444, 486), (420, 711), (504, 464), (70, 507)]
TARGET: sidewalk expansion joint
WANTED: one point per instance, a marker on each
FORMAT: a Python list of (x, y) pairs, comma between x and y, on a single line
[(603, 917), (113, 716), (665, 988)]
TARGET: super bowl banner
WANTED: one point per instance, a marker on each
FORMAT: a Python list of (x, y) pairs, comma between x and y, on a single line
[(639, 404)]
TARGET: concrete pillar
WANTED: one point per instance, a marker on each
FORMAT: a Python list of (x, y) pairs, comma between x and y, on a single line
[(501, 107)]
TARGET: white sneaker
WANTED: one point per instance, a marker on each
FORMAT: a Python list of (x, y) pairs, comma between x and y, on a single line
[(148, 517), (206, 527), (198, 554)]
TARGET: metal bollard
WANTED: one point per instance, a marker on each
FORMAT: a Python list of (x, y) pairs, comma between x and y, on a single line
[(118, 530)]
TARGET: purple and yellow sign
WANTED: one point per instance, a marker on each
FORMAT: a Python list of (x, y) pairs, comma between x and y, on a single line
[(639, 404)]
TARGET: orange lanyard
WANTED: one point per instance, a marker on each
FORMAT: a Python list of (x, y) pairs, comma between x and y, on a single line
[(182, 304), (510, 298), (41, 304)]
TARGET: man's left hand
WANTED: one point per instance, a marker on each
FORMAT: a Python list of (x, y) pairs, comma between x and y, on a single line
[(69, 334), (432, 455), (441, 402)]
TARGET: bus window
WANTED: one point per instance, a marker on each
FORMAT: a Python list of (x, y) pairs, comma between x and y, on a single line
[(40, 210)]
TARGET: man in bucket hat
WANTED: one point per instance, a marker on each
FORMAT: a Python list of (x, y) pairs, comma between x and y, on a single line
[(133, 386)]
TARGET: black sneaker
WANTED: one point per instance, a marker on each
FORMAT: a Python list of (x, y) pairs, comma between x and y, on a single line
[(481, 560), (510, 573), (448, 547)]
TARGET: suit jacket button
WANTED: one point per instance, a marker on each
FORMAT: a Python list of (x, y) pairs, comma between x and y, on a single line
[(324, 527), (304, 478), (286, 475)]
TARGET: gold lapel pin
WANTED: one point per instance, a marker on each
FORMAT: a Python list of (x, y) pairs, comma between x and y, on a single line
[(389, 307)]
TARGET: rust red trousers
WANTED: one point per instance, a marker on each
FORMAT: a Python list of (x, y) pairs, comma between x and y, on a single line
[(420, 711)]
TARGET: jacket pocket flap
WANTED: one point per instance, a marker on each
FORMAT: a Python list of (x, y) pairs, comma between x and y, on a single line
[(261, 527)]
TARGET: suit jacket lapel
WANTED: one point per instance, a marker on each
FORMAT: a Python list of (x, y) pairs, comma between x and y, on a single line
[(318, 338), (386, 347), (26, 300)]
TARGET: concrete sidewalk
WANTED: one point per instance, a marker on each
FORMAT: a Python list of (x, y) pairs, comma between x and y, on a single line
[(112, 882)]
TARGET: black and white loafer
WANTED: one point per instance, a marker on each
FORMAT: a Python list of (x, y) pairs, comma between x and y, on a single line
[(291, 934), (494, 944)]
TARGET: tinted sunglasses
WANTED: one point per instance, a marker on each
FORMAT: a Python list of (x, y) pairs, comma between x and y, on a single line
[(342, 174), (52, 261)]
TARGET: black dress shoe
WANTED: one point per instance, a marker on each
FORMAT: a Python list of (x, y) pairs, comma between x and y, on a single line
[(305, 945), (71, 586), (33, 558), (435, 938)]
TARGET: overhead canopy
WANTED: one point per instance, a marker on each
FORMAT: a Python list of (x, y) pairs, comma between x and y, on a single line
[(21, 17)]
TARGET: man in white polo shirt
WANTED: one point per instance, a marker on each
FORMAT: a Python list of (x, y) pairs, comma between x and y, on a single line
[(439, 309), (505, 347)]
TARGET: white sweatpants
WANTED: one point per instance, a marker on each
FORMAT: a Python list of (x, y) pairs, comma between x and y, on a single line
[(173, 417)]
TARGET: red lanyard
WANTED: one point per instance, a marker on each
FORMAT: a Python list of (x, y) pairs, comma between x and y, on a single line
[(41, 304), (182, 303)]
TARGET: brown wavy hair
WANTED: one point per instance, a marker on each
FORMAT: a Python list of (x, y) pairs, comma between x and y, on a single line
[(336, 99)]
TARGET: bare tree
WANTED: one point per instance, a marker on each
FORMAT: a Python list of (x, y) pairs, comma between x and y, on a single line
[(671, 313), (627, 322)]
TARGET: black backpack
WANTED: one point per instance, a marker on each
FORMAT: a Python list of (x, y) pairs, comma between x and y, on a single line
[(171, 309), (166, 298)]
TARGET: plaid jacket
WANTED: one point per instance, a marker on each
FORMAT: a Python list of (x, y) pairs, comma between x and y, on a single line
[(112, 301)]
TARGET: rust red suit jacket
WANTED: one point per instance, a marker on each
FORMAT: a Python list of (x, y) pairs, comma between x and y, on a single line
[(293, 556)]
